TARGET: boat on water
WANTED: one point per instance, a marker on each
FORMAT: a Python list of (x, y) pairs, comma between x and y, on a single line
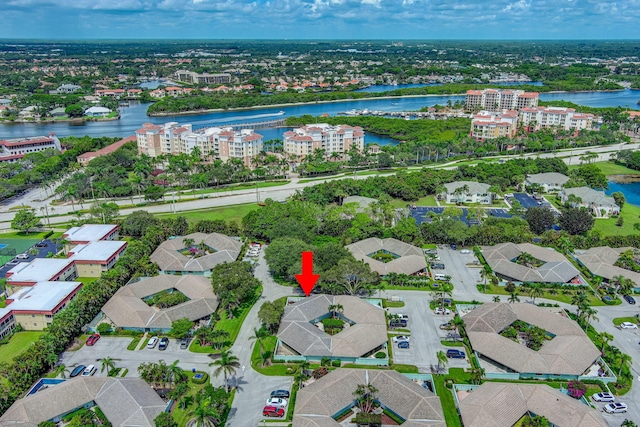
[(280, 113)]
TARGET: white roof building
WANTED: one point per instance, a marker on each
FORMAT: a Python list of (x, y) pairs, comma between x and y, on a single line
[(91, 233), (97, 111), (40, 269)]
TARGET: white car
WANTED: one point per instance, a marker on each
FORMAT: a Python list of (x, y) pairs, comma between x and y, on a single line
[(615, 408), (152, 342), (277, 401), (399, 338), (603, 397), (442, 310), (628, 325)]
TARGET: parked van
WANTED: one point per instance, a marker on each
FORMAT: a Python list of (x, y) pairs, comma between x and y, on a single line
[(440, 276), (89, 370)]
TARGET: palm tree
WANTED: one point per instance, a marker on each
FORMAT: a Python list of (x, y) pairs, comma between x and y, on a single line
[(485, 273), (496, 298), (580, 301), (176, 373), (365, 396), (588, 315), (107, 363), (204, 415), (513, 297), (628, 423), (477, 374), (534, 292), (458, 322), (604, 338), (259, 335), (179, 392), (625, 361), (226, 365), (442, 359)]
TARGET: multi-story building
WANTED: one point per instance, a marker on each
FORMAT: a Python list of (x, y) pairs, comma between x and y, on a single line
[(500, 99), (536, 118), (302, 142), (202, 78), (488, 125), (12, 150), (214, 143)]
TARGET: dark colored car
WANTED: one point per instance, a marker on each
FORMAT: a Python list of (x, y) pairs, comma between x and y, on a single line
[(184, 343), (403, 344), (455, 354), (273, 411), (93, 339), (398, 323), (280, 393), (42, 244), (164, 343), (629, 299), (77, 371)]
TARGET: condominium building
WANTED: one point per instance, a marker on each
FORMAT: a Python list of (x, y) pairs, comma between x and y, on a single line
[(214, 143), (12, 150), (488, 125), (301, 142), (500, 99), (202, 78), (536, 118)]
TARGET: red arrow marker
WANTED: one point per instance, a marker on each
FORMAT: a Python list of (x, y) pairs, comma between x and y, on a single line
[(307, 279)]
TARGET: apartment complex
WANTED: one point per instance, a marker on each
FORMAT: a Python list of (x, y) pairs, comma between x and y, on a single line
[(12, 150), (488, 125), (214, 143), (500, 99), (536, 118), (202, 78), (301, 142)]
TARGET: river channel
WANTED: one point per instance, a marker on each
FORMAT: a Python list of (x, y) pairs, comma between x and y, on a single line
[(132, 117)]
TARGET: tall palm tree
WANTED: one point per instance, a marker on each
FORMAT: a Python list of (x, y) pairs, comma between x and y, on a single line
[(580, 301), (259, 335), (625, 360), (365, 396), (496, 298), (534, 292), (108, 363), (604, 338), (513, 297), (589, 314), (458, 322), (485, 273), (204, 415), (176, 374), (226, 365), (442, 359)]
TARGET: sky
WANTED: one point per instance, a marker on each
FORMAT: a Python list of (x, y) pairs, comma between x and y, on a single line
[(320, 19)]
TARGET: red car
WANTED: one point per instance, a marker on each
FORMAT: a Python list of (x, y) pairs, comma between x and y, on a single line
[(273, 411), (93, 339)]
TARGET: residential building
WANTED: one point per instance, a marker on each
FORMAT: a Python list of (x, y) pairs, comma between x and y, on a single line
[(123, 401), (214, 142), (601, 260), (110, 93), (41, 270), (127, 309), (320, 403), (202, 78), (90, 233), (500, 99), (67, 88), (467, 192), (536, 118), (12, 150), (92, 259), (488, 125), (596, 202), (400, 257), (97, 112), (548, 181), (33, 307), (339, 139), (85, 158)]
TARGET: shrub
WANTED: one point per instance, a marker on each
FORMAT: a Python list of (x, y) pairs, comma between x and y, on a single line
[(325, 361), (576, 389), (204, 379), (124, 373), (381, 355), (103, 328), (336, 363), (372, 420)]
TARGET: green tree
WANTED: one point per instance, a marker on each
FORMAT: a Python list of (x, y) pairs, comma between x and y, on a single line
[(234, 284), (365, 395), (259, 335), (575, 221), (74, 110), (270, 314), (284, 256), (180, 328), (539, 219), (350, 277), (25, 219), (226, 365), (108, 364), (619, 198), (165, 419), (535, 291), (442, 359), (153, 193)]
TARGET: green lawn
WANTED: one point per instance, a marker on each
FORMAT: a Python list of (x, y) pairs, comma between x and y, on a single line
[(87, 280), (226, 213), (608, 227), (423, 201), (446, 396), (618, 320), (133, 344), (500, 290), (18, 343), (275, 369), (235, 187), (610, 168)]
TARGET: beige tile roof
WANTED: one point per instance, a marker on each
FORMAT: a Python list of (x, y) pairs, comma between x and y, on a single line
[(318, 402), (369, 332), (553, 178), (600, 262), (169, 259), (496, 404), (570, 352), (127, 309), (124, 401), (411, 257), (556, 268)]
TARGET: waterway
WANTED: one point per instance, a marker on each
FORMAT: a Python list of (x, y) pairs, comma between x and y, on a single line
[(132, 117), (631, 191), (387, 88)]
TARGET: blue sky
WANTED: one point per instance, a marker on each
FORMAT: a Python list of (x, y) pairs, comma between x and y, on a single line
[(320, 19)]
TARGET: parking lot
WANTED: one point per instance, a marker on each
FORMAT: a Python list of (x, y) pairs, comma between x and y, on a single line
[(49, 247), (464, 274), (421, 214)]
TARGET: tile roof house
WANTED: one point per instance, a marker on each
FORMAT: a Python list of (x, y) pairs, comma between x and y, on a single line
[(409, 259), (298, 334), (220, 249), (597, 202), (600, 262), (128, 310), (496, 404), (126, 402), (549, 181), (320, 401), (556, 268), (467, 192), (570, 352)]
